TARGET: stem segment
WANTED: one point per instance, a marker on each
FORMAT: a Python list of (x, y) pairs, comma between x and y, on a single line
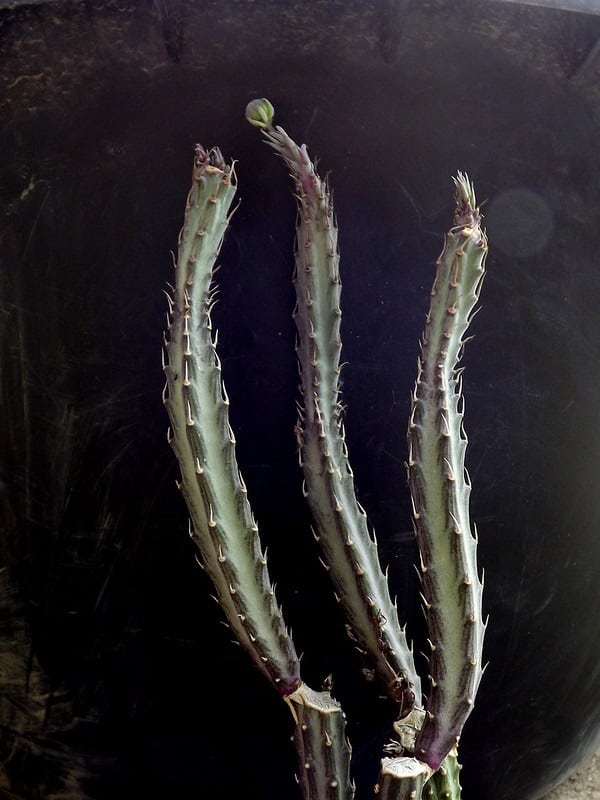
[(222, 523), (440, 487), (349, 550)]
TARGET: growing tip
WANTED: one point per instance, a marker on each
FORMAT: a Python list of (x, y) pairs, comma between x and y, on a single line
[(467, 212), (260, 112), (212, 158)]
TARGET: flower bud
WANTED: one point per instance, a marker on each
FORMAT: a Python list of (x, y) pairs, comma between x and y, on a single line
[(260, 112)]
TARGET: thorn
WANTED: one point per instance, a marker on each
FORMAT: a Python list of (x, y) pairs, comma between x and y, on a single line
[(457, 528), (231, 434), (426, 604), (361, 510), (450, 476), (224, 395), (211, 520), (415, 513)]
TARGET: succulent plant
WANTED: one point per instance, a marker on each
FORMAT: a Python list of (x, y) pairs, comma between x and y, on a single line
[(421, 759)]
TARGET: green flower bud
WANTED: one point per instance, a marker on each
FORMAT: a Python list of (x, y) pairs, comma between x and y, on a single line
[(260, 112)]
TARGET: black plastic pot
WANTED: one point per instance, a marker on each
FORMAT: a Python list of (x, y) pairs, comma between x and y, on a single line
[(116, 676)]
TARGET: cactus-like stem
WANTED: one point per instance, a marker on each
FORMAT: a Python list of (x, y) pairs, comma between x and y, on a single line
[(440, 487), (321, 744), (350, 552), (222, 523), (401, 778), (445, 783)]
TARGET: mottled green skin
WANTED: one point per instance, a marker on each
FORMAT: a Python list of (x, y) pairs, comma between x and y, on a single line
[(222, 524), (350, 552), (440, 488)]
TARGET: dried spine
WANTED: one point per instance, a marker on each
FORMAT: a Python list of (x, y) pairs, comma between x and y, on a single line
[(440, 487), (341, 524)]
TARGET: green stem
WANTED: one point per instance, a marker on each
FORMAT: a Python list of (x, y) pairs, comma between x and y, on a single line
[(445, 783), (440, 487), (350, 552), (401, 778), (321, 744), (222, 523)]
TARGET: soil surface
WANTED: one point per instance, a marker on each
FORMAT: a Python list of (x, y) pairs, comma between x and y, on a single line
[(583, 783)]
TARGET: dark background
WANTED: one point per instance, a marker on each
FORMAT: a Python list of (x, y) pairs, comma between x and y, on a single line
[(116, 675)]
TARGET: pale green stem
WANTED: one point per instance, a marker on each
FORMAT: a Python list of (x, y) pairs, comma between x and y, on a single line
[(440, 487), (222, 523), (350, 552)]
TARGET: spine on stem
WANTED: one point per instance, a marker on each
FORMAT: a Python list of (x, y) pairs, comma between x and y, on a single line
[(440, 487), (350, 552)]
